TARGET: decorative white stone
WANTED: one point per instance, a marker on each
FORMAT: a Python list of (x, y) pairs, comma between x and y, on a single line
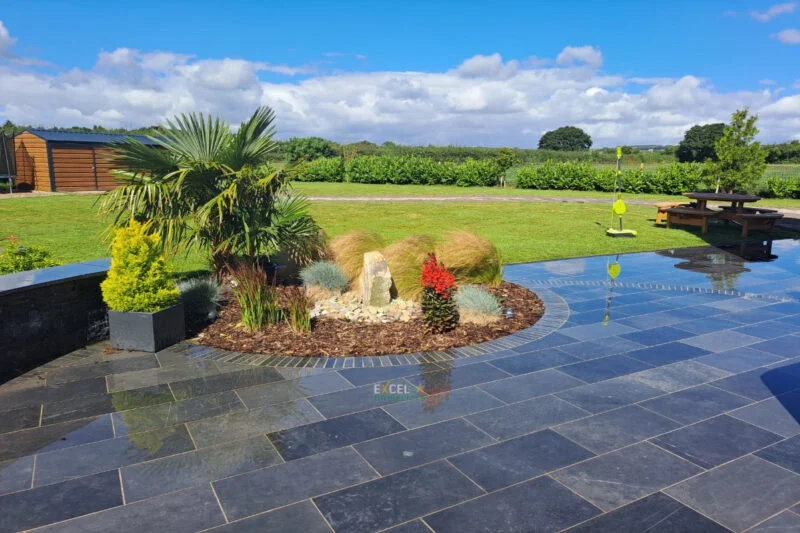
[(376, 280)]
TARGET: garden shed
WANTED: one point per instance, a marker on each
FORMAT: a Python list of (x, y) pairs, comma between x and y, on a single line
[(66, 161)]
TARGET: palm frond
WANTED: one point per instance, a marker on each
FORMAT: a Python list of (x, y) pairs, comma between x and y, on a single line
[(204, 185)]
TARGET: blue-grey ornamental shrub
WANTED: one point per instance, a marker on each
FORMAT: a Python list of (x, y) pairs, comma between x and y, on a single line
[(477, 301), (200, 297), (325, 274)]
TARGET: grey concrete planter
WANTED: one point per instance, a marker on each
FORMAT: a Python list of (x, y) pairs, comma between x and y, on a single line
[(147, 332)]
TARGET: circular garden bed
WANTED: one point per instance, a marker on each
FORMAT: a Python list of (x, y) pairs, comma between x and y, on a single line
[(333, 337)]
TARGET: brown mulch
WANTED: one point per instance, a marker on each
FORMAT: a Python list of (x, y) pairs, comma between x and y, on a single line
[(339, 338)]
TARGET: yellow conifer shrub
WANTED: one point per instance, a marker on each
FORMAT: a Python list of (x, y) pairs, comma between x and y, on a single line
[(138, 280)]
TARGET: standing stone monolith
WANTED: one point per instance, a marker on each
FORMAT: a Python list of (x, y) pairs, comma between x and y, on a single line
[(376, 280)]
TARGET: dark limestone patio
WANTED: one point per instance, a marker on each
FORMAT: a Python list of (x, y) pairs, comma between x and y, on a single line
[(666, 400)]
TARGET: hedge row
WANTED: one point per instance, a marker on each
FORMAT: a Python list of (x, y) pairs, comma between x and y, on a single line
[(402, 170), (780, 188), (577, 176)]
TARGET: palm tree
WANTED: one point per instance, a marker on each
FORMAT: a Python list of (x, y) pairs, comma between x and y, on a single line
[(203, 185)]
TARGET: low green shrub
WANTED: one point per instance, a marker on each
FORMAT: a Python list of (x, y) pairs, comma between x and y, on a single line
[(323, 169), (478, 301), (671, 179), (325, 274), (369, 169), (474, 173), (200, 297), (16, 258), (138, 280), (781, 188), (403, 170)]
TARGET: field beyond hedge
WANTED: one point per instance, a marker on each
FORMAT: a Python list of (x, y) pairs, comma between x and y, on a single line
[(523, 231)]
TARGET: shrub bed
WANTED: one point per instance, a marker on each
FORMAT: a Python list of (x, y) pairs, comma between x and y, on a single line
[(338, 338)]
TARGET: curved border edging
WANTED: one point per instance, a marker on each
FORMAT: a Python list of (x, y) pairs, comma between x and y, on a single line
[(556, 313)]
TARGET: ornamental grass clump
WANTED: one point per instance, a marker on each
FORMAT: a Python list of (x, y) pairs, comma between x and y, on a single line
[(477, 306), (438, 289), (471, 258), (326, 275), (138, 280), (405, 259), (298, 314), (348, 251), (257, 298)]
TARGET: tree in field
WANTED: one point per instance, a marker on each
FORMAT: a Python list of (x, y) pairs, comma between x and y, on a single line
[(207, 187), (741, 161), (309, 148), (698, 143), (565, 138), (506, 158)]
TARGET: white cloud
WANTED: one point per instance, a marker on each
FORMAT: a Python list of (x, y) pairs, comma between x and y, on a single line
[(767, 81), (773, 11), (6, 41), (796, 84), (588, 55), (788, 36), (492, 66), (486, 100), (788, 106)]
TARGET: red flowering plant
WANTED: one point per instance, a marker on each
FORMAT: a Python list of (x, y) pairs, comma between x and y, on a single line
[(438, 287)]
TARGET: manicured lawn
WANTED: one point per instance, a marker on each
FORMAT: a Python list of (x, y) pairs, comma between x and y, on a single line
[(523, 231), (363, 189)]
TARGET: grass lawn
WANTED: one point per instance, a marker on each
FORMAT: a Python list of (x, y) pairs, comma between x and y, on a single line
[(365, 189), (523, 231)]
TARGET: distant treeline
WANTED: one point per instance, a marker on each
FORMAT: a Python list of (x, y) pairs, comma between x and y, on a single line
[(310, 148), (9, 128)]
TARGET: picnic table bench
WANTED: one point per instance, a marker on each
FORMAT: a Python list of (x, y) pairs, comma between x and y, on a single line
[(757, 221), (661, 214), (690, 216), (750, 218)]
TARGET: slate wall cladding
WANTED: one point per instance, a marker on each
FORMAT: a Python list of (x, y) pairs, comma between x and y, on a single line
[(43, 320)]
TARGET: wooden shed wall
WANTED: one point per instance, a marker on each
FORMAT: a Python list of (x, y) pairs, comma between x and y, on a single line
[(105, 179), (82, 168), (32, 163), (73, 168)]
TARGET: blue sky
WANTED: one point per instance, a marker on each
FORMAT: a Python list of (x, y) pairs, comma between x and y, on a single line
[(383, 64)]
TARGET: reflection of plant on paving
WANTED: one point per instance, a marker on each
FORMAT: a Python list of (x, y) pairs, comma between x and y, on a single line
[(522, 231)]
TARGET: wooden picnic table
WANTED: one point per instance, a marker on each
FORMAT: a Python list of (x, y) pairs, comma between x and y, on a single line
[(737, 200), (699, 213)]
